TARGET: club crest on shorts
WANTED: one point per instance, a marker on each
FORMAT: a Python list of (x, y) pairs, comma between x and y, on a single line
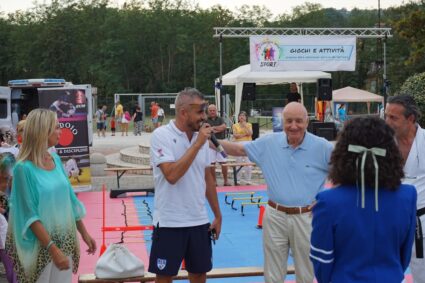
[(161, 263)]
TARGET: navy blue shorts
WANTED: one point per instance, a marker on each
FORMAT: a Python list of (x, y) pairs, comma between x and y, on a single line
[(100, 125), (171, 245)]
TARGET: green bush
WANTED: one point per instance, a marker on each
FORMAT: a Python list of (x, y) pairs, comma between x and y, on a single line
[(415, 86)]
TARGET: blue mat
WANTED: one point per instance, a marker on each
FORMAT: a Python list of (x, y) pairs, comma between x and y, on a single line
[(240, 242)]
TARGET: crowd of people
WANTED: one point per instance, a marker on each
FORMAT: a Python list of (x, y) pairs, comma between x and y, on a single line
[(120, 119), (366, 228)]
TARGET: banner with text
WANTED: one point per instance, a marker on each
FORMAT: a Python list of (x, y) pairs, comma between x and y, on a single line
[(73, 147), (302, 53)]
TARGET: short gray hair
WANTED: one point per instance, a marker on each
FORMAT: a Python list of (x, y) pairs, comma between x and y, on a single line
[(186, 96)]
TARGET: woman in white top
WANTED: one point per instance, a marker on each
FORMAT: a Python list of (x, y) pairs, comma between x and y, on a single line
[(161, 115)]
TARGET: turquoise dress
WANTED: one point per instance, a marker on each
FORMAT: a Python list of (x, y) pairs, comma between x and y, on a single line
[(45, 196)]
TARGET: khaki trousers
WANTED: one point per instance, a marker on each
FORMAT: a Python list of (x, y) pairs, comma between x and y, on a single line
[(281, 232)]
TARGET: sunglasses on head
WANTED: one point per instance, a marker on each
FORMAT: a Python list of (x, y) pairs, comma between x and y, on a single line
[(199, 106)]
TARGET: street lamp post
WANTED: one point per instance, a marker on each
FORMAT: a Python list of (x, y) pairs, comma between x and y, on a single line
[(385, 83)]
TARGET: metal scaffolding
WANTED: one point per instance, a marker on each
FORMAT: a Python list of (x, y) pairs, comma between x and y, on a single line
[(246, 32), (238, 32)]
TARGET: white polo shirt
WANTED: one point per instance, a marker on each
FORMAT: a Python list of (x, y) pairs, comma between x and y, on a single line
[(181, 204)]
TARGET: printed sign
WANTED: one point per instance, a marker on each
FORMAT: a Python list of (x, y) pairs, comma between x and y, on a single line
[(70, 106), (302, 53)]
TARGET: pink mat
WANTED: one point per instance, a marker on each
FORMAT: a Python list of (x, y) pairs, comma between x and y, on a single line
[(241, 188), (93, 222)]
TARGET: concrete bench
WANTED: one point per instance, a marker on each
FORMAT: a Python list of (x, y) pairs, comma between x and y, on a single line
[(120, 171), (183, 275)]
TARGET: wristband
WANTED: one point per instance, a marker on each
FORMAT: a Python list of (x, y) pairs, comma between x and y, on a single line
[(49, 245)]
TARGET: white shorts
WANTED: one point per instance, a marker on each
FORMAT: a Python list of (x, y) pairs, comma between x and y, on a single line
[(216, 157)]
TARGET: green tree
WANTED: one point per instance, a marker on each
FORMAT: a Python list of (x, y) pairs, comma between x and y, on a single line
[(415, 86), (257, 15), (411, 28)]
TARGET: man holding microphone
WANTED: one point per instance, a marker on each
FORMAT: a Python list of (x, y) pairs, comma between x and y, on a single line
[(180, 159)]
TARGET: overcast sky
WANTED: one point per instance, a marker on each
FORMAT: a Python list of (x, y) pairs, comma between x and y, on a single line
[(276, 6)]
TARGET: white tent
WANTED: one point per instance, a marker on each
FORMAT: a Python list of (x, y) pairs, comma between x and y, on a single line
[(351, 94), (243, 74)]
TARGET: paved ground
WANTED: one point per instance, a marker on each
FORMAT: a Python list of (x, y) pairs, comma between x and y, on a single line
[(111, 144)]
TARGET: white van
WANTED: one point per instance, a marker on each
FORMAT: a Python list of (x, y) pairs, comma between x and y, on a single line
[(22, 96)]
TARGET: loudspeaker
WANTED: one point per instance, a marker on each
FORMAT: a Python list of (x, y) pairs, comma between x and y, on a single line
[(325, 130), (324, 89), (248, 91), (255, 131), (326, 133)]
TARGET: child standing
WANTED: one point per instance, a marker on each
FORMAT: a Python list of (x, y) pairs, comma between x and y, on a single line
[(126, 118), (113, 125)]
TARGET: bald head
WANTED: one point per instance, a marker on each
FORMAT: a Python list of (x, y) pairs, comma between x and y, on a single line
[(295, 122), (295, 108), (212, 111)]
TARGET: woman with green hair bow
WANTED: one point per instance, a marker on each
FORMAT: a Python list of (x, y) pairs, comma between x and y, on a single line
[(363, 227)]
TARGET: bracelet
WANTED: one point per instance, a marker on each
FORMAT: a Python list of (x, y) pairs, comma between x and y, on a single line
[(49, 245)]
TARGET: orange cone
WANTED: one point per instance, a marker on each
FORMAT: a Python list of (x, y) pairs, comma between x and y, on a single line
[(260, 217), (183, 267)]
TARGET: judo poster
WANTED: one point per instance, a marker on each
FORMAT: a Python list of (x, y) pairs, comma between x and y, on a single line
[(73, 147), (277, 119), (302, 53)]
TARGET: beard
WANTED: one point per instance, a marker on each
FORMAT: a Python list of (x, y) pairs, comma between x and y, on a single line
[(195, 125)]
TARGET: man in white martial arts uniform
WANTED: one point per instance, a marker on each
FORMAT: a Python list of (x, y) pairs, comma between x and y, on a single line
[(402, 114)]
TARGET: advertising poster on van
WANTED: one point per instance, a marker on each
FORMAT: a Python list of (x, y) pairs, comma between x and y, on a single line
[(73, 147)]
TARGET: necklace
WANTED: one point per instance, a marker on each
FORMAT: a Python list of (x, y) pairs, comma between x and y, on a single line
[(47, 157)]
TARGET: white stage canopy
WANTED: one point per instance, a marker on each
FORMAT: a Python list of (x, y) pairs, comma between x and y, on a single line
[(243, 74), (351, 94)]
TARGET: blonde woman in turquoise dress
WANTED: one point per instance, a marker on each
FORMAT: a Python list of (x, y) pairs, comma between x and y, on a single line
[(45, 213)]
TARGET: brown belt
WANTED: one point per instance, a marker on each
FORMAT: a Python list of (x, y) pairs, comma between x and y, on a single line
[(289, 210)]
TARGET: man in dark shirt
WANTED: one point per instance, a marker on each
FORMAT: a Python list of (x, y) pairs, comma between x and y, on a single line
[(219, 130), (133, 110), (293, 95)]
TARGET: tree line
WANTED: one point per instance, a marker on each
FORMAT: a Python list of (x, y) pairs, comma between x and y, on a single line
[(154, 45)]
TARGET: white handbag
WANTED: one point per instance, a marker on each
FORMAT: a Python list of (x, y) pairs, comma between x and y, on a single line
[(118, 262)]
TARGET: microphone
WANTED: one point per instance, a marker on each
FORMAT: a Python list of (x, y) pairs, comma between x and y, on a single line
[(218, 146), (215, 142)]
